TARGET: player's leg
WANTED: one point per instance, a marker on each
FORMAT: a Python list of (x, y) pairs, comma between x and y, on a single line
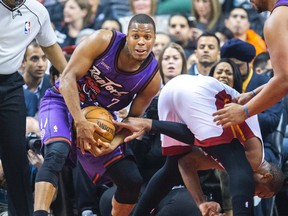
[(242, 187), (55, 126), (12, 143), (125, 175), (47, 177), (159, 186)]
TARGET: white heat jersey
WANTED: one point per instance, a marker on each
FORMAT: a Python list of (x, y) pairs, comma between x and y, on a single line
[(19, 27), (192, 100)]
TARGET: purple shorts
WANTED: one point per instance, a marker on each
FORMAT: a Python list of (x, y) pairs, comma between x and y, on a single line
[(56, 124)]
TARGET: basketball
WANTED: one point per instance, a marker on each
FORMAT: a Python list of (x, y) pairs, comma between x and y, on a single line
[(103, 119)]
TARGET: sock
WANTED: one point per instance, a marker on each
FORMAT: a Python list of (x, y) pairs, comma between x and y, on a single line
[(40, 213)]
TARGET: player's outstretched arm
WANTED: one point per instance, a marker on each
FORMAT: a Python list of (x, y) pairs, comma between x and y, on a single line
[(138, 126)]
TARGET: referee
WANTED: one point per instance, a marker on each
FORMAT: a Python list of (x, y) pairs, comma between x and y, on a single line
[(24, 20)]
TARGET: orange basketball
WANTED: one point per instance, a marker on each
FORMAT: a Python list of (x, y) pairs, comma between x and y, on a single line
[(103, 119)]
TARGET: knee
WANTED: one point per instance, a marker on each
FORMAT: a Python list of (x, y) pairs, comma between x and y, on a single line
[(132, 184), (54, 161), (129, 191)]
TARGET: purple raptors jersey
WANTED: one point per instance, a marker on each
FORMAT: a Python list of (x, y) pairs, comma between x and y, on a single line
[(281, 3), (107, 86)]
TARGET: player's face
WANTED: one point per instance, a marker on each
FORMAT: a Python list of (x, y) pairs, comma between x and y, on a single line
[(262, 190), (224, 73), (140, 40)]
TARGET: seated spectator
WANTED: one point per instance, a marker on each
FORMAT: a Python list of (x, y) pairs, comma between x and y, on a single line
[(111, 24), (148, 7), (162, 39), (100, 10), (84, 33), (208, 14), (207, 53), (76, 16), (180, 31), (262, 64), (55, 11), (34, 65), (118, 8), (31, 102), (238, 23), (224, 34)]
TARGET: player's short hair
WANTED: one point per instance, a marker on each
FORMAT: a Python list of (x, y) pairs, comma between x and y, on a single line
[(278, 178), (143, 19)]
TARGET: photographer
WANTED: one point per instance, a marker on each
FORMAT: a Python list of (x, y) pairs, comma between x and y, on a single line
[(33, 145), (33, 142)]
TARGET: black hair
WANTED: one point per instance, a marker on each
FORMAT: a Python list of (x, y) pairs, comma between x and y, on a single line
[(144, 19), (190, 20), (237, 85), (243, 8), (261, 60), (115, 20), (208, 34), (278, 178), (226, 32)]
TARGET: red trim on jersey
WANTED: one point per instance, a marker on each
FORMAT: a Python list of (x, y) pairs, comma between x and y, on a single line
[(242, 132), (53, 139), (96, 178), (176, 150), (112, 160)]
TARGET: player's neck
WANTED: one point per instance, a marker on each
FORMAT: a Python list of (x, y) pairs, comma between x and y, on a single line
[(12, 3), (127, 62)]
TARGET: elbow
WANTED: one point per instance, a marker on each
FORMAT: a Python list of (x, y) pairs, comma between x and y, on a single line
[(281, 81)]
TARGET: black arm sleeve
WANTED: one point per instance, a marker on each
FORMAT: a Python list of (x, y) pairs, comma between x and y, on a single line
[(175, 130)]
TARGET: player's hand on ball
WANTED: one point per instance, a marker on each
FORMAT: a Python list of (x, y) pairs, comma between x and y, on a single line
[(85, 135), (102, 148), (210, 209)]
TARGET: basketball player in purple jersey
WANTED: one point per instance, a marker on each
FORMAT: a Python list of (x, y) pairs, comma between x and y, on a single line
[(275, 34), (111, 70)]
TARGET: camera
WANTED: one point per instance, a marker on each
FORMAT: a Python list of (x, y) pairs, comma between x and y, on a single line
[(33, 142)]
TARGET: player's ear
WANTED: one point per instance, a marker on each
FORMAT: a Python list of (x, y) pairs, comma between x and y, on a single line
[(266, 178)]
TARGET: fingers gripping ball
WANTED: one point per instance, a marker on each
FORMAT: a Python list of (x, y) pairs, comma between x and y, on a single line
[(103, 119)]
